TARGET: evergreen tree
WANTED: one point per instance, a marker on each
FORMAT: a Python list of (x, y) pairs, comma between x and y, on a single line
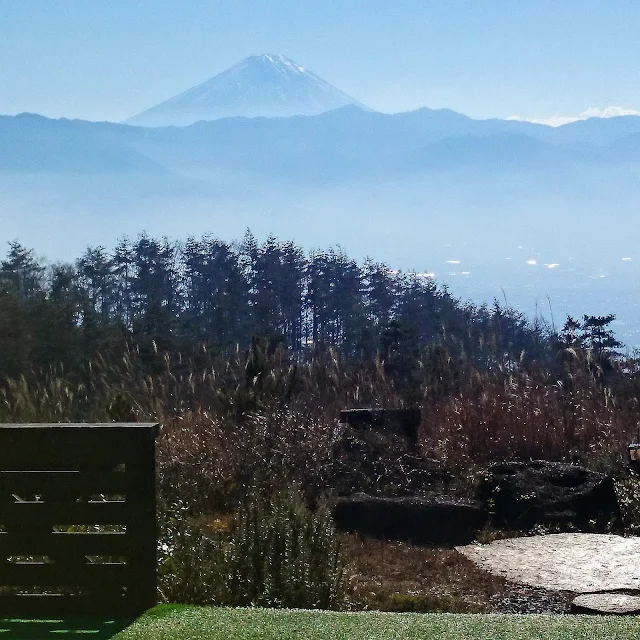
[(96, 278), (600, 340), (21, 273), (216, 294)]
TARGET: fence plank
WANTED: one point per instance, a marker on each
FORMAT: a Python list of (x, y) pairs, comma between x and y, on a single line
[(95, 544), (63, 456), (66, 447), (49, 514), (40, 605), (61, 485), (30, 574)]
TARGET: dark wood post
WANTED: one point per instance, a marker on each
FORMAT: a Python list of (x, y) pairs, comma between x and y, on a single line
[(140, 469)]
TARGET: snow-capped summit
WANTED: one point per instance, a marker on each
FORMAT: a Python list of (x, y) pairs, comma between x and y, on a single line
[(267, 85)]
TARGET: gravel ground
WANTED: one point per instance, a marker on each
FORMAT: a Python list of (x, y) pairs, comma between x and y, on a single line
[(517, 598)]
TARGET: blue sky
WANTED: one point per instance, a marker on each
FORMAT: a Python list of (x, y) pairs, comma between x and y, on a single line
[(98, 59)]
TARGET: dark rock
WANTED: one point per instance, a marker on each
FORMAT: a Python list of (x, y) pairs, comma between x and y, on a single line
[(423, 520), (404, 422), (565, 497)]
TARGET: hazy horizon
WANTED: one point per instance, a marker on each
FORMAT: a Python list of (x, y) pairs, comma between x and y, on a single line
[(544, 62)]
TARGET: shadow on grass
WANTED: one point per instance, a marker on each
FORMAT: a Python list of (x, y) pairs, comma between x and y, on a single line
[(41, 629)]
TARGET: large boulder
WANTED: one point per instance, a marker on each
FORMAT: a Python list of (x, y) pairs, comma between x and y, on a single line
[(423, 520), (564, 497)]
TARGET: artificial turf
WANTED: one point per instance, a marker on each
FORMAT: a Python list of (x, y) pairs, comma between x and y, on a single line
[(174, 622)]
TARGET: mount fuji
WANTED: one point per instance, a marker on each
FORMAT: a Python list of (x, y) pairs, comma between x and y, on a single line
[(267, 85)]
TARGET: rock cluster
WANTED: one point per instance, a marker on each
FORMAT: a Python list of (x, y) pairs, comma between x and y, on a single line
[(387, 489)]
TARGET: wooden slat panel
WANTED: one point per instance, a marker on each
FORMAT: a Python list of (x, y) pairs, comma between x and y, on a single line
[(41, 514), (94, 449), (103, 576), (61, 484), (97, 544)]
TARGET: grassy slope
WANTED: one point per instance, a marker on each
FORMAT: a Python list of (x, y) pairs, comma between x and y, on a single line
[(194, 623)]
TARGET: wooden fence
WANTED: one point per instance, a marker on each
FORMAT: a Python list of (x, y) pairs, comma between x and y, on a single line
[(77, 519)]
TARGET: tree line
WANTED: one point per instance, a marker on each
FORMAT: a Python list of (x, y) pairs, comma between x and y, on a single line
[(158, 295)]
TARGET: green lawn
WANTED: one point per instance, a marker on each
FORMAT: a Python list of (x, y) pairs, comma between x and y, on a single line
[(169, 622)]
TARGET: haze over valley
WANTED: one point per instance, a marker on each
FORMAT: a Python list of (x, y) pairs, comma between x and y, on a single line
[(542, 217)]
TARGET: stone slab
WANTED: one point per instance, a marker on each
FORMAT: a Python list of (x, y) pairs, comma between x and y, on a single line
[(577, 562), (607, 603)]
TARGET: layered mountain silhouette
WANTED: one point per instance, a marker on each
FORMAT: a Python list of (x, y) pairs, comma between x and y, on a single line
[(340, 146), (267, 85)]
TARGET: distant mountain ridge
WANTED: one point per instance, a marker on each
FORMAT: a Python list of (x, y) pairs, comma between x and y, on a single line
[(346, 139), (268, 85), (335, 145)]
